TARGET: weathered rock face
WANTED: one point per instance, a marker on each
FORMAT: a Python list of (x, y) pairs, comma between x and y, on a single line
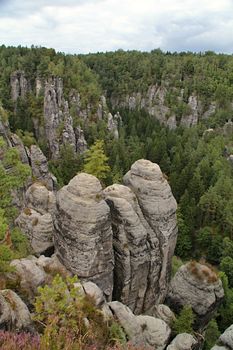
[(198, 286), (183, 341), (153, 101), (36, 218), (14, 314), (40, 170), (154, 217), (19, 85), (131, 249), (141, 330), (83, 238)]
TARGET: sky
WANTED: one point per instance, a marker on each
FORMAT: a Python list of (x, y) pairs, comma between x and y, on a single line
[(83, 26)]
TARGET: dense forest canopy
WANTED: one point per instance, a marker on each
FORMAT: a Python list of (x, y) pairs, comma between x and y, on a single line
[(197, 161)]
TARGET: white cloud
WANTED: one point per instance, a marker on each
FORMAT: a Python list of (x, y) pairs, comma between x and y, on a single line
[(100, 25)]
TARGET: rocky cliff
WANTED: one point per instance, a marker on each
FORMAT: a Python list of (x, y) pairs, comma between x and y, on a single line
[(153, 101)]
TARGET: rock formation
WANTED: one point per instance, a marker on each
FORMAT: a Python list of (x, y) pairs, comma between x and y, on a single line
[(36, 218), (153, 101), (14, 314), (131, 249), (83, 238), (19, 85), (198, 286), (143, 220), (141, 330), (40, 170), (59, 126), (113, 123), (53, 114), (158, 207)]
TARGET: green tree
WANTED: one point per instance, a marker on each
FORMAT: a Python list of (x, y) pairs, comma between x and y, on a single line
[(184, 322), (211, 335), (95, 161)]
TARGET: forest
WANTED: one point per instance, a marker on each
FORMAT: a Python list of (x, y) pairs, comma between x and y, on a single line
[(196, 160)]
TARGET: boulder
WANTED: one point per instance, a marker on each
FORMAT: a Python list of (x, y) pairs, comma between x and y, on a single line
[(196, 285), (14, 314), (39, 198), (155, 331), (164, 313), (146, 331), (32, 272), (38, 228), (83, 237), (183, 341), (29, 274), (226, 338), (36, 220), (93, 291)]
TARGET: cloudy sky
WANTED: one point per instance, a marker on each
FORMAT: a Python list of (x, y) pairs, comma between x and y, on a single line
[(81, 26)]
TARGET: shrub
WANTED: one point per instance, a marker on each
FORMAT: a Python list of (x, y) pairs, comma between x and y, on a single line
[(21, 341), (65, 313)]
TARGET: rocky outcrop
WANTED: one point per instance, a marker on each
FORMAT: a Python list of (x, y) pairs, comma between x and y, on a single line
[(158, 208), (141, 330), (83, 238), (198, 286), (183, 341), (192, 118), (59, 126), (40, 170), (153, 101), (19, 85), (36, 219), (81, 143), (18, 144), (113, 124), (14, 314), (53, 116)]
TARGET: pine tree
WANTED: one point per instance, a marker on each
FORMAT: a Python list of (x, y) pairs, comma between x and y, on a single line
[(95, 161), (184, 322)]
